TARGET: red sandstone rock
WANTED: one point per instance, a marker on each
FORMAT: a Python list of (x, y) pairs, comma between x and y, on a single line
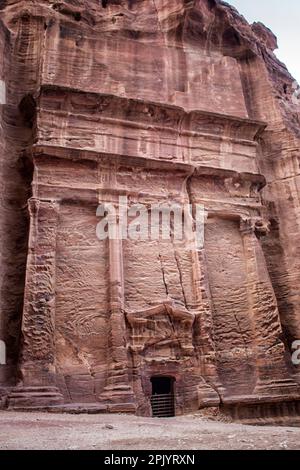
[(161, 101)]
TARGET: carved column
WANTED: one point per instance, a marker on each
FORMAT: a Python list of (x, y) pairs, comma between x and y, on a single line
[(118, 393), (273, 379), (205, 372), (203, 326), (37, 360)]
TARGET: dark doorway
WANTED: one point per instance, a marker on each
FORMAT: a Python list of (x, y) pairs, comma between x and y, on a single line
[(162, 399)]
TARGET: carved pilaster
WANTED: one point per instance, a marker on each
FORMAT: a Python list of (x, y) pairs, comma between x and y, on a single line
[(203, 333), (273, 378), (202, 308), (118, 393), (37, 360)]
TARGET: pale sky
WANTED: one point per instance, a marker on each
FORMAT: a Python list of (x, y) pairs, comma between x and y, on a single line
[(283, 18)]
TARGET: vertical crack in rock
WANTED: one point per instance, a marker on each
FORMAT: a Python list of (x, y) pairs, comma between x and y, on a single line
[(163, 274), (158, 19), (180, 277)]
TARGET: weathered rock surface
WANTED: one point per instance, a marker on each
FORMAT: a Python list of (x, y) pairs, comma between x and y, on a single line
[(160, 101)]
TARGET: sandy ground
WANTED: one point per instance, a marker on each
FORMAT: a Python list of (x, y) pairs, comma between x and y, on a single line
[(123, 432)]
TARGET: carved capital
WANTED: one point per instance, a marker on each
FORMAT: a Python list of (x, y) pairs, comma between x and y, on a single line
[(36, 205), (254, 225)]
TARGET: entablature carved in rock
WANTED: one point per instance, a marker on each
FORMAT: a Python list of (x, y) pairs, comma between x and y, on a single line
[(93, 177), (149, 130)]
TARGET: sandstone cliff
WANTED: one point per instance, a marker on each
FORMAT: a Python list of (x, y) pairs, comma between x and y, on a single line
[(158, 100)]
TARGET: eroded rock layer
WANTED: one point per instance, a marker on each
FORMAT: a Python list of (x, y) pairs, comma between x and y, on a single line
[(157, 101)]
